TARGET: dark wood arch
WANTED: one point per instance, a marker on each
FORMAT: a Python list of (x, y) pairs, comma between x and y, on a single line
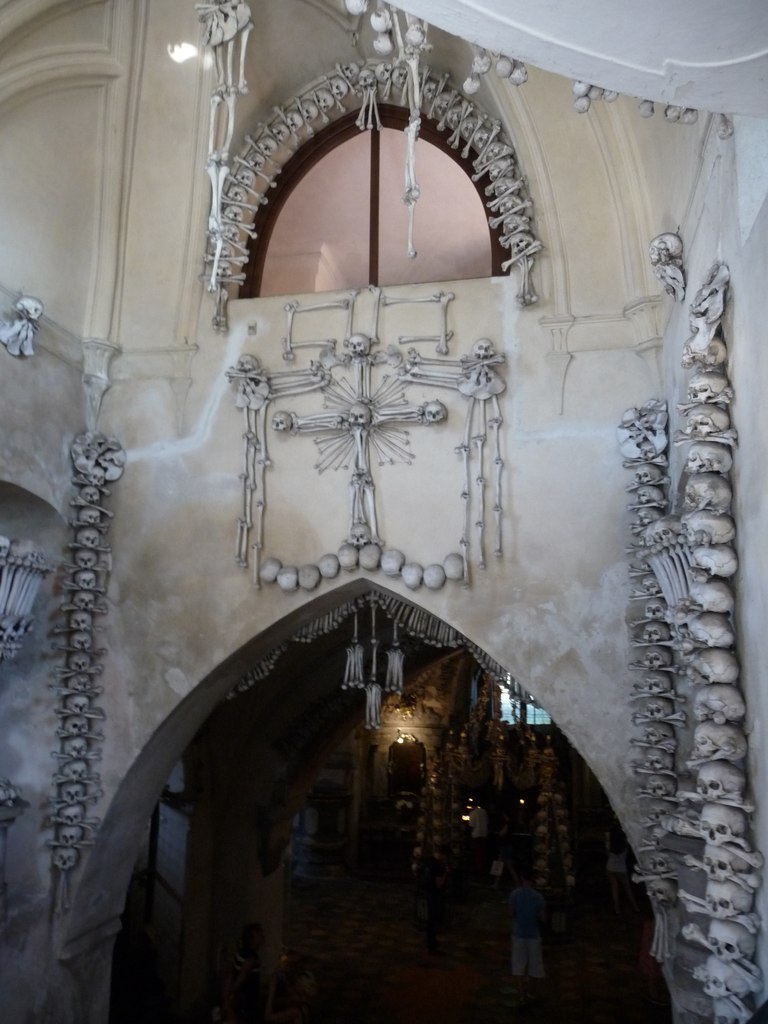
[(312, 151)]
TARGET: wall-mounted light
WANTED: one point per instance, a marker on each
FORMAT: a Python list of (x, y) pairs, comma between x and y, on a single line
[(180, 52)]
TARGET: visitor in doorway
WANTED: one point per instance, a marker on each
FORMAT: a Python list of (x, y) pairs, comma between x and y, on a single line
[(617, 868), (478, 824), (241, 996), (436, 882), (528, 911), (292, 988)]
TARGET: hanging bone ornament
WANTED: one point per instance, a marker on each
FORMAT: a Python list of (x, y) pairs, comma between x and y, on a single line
[(17, 334), (666, 255), (642, 433), (712, 742)]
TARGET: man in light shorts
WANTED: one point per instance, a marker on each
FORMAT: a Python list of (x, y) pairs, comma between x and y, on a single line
[(528, 912)]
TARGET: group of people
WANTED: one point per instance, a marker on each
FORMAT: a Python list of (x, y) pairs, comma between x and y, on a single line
[(289, 993)]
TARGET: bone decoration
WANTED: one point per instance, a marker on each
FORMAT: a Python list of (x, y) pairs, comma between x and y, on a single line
[(22, 569), (17, 334), (98, 461), (242, 185), (365, 422)]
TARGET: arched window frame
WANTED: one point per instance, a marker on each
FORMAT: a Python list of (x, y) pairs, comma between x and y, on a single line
[(478, 138), (312, 152)]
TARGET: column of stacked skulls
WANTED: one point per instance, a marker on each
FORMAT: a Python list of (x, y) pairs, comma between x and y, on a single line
[(707, 634), (97, 462)]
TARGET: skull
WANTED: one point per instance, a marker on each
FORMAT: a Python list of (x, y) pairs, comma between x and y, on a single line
[(358, 344), (73, 814), (727, 899), (731, 941), (665, 248), (712, 742), (78, 704), (721, 980), (713, 666), (658, 761), (367, 79), (721, 864), (82, 683), (664, 532), (324, 99), (72, 792), (710, 386), (649, 474), (71, 835), (655, 632), (76, 747), (658, 733), (650, 496), (282, 421), (244, 176), (75, 725), (715, 560), (5, 547), (650, 585), (662, 891), (360, 415), (656, 609), (360, 535), (86, 558), (660, 786), (703, 420), (76, 770), (81, 641), (708, 457), (400, 76), (720, 703), (383, 72), (721, 781), (339, 87), (720, 824), (711, 596), (656, 658), (65, 858), (81, 620), (708, 630), (85, 579), (84, 600), (708, 491), (88, 537), (483, 349), (309, 109), (434, 412), (79, 661), (90, 494)]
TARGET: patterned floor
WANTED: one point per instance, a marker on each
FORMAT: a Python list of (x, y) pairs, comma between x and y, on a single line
[(367, 950)]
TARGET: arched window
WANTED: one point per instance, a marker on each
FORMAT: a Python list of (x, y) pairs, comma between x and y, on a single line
[(336, 218)]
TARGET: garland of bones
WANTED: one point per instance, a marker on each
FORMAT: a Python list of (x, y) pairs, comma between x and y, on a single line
[(681, 572)]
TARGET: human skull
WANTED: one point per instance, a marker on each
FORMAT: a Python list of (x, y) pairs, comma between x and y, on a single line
[(90, 494), (721, 781), (435, 412), (662, 891), (72, 792), (282, 421), (79, 661), (65, 858), (656, 609), (84, 599), (72, 814), (81, 640), (709, 629), (358, 344), (81, 621), (71, 835), (708, 491), (710, 386), (721, 864), (85, 579), (648, 495), (76, 747), (367, 79), (76, 770), (77, 704), (727, 899), (75, 725), (360, 415), (708, 457), (324, 99), (713, 666), (392, 561), (721, 824), (704, 420), (715, 560), (88, 537), (348, 557), (339, 87), (712, 742), (658, 733), (731, 941), (328, 566), (309, 109), (654, 632), (721, 980), (650, 584), (86, 558), (665, 248), (656, 658), (720, 703), (660, 786), (5, 547), (360, 535), (657, 761), (663, 532)]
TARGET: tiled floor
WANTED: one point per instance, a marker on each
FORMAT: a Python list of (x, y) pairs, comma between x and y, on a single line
[(368, 953)]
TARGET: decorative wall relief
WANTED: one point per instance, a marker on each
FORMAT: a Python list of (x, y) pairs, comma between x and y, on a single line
[(22, 570), (689, 559), (239, 190), (11, 806), (365, 421), (666, 255), (17, 334), (97, 461)]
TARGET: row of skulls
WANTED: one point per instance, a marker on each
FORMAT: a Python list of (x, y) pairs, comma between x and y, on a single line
[(252, 174), (681, 573), (97, 461)]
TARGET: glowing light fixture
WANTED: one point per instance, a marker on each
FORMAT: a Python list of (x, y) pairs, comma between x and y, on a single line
[(180, 52)]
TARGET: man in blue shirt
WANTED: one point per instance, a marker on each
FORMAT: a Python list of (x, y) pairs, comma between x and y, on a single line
[(528, 912)]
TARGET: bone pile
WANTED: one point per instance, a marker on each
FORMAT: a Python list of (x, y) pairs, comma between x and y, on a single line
[(97, 462), (22, 570)]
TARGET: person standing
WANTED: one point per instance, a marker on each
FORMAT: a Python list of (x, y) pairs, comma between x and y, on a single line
[(478, 824), (528, 911), (241, 1000), (436, 881), (617, 868)]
